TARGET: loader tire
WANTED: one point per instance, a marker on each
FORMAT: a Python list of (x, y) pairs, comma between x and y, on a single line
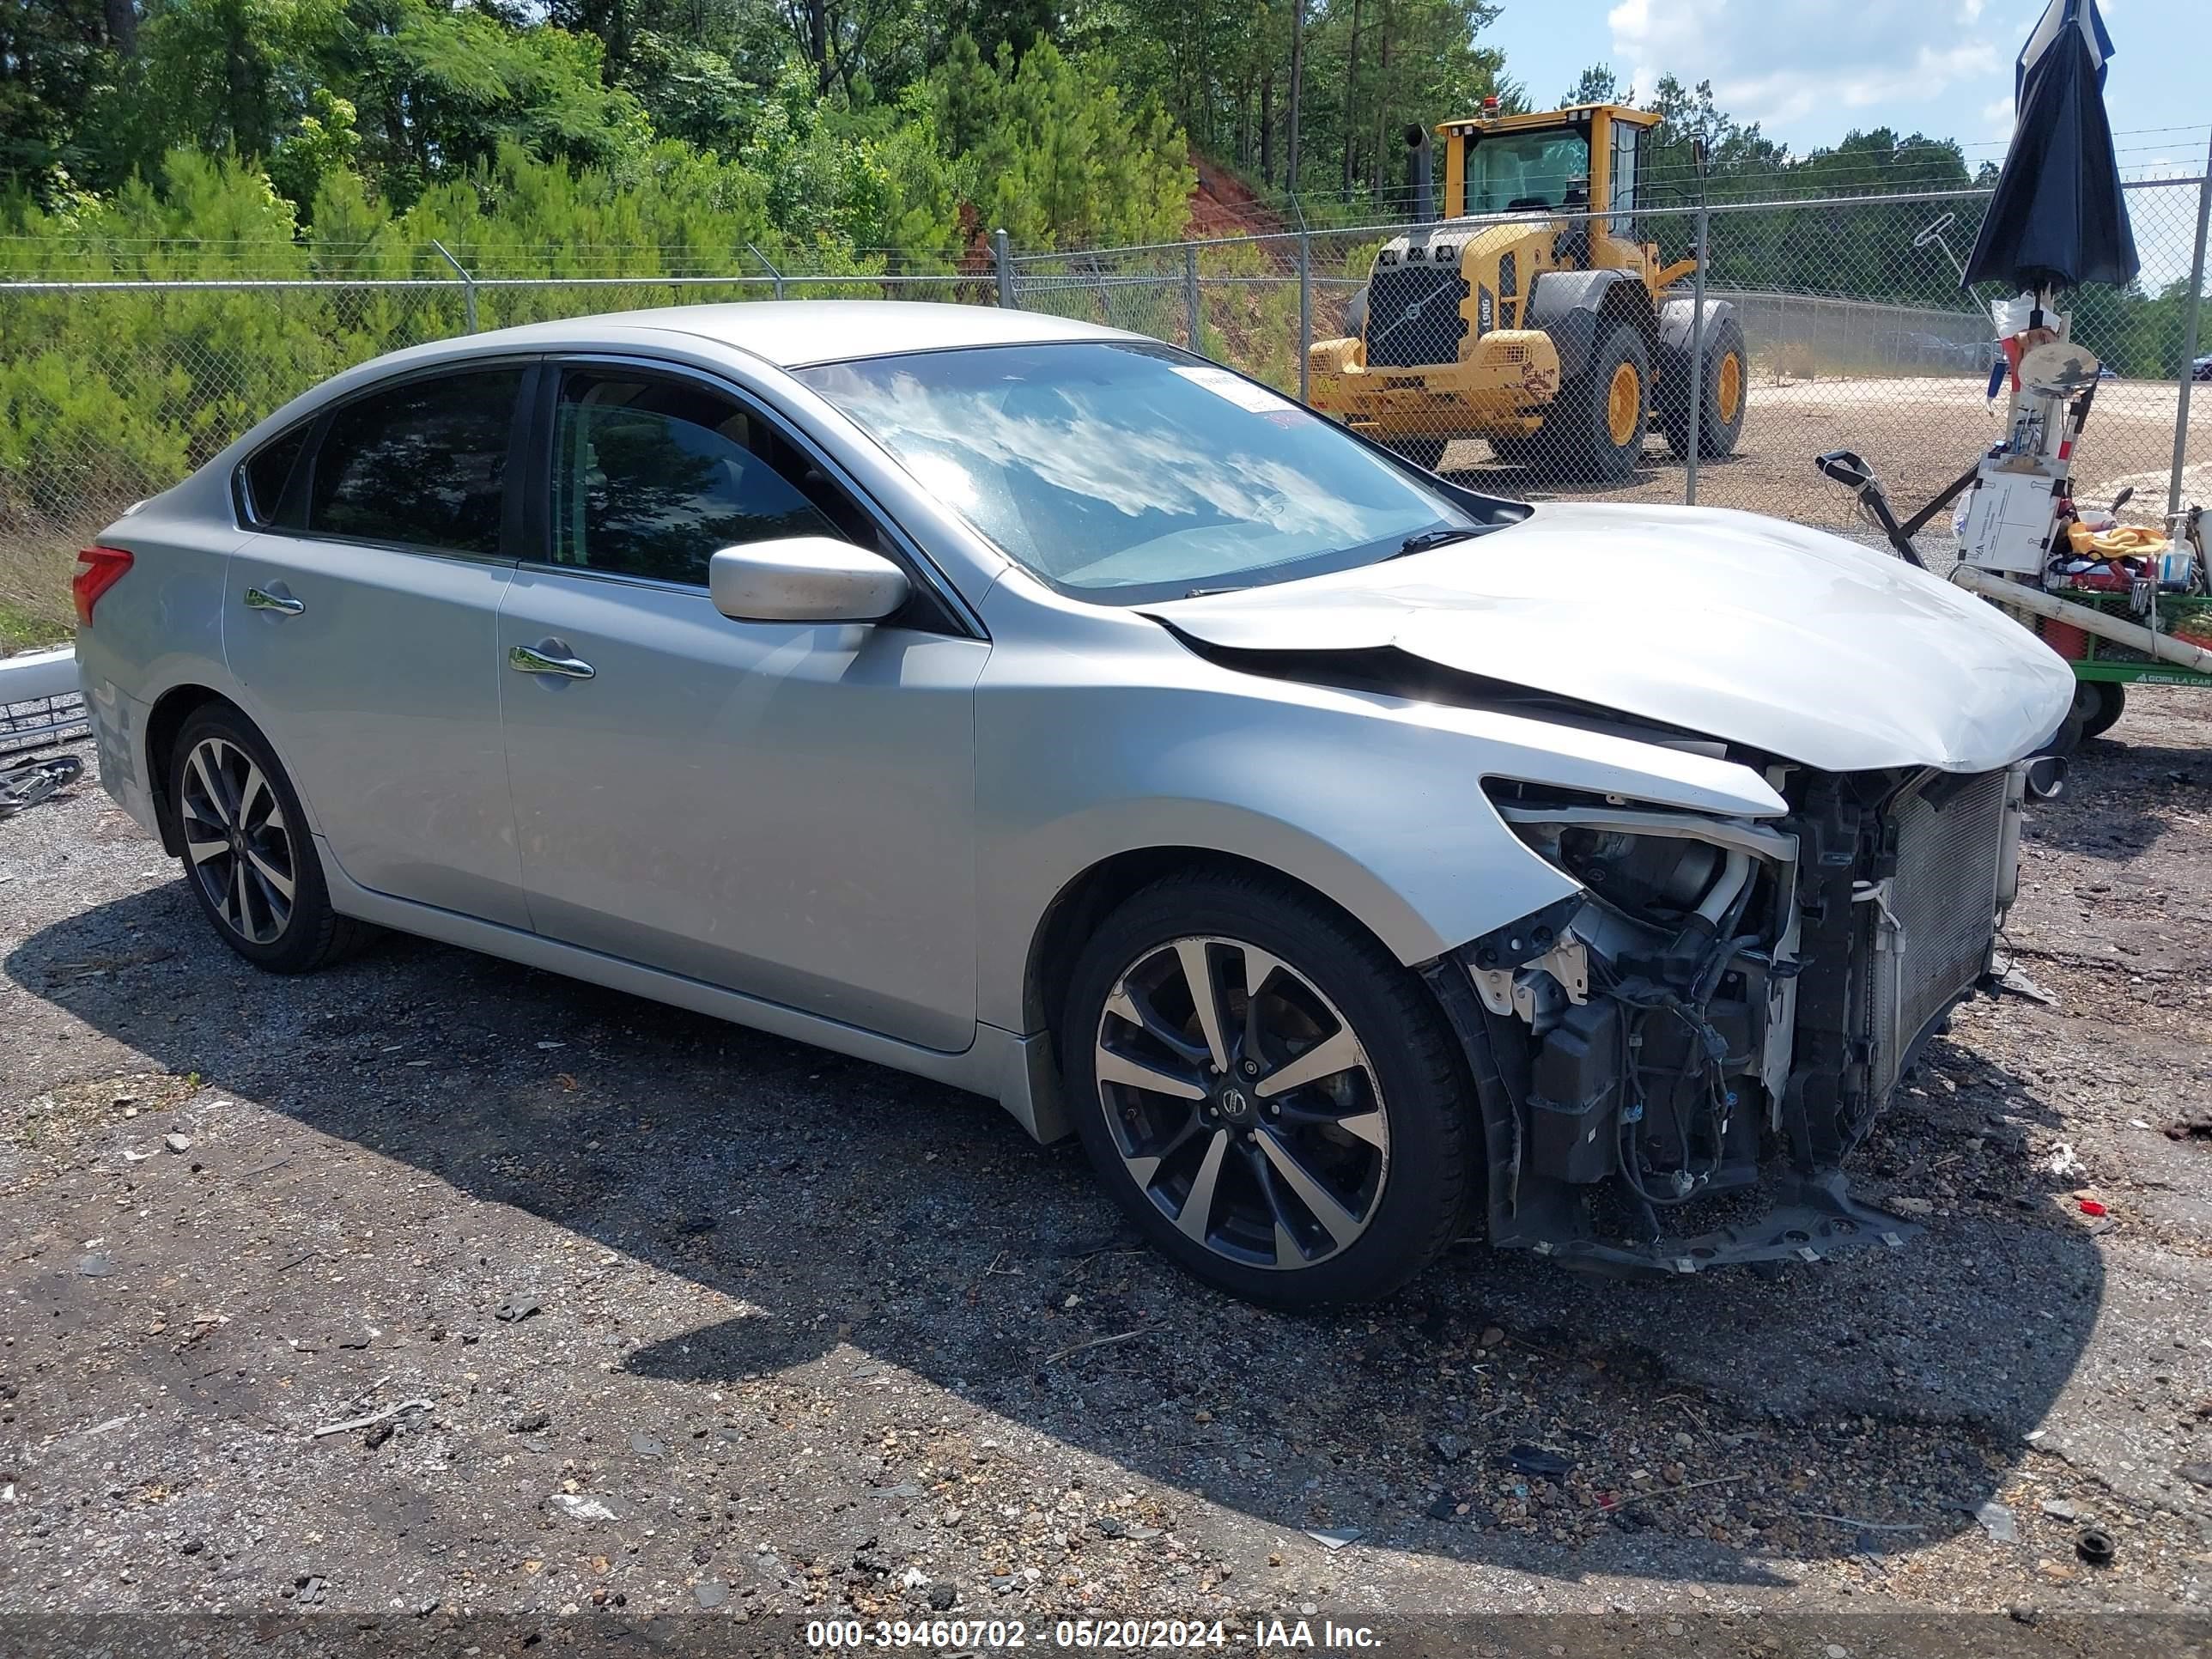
[(1596, 430), (1722, 389)]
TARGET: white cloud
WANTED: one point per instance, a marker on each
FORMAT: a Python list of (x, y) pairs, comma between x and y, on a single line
[(1784, 63)]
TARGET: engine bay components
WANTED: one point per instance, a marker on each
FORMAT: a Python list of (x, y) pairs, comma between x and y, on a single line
[(1673, 1072)]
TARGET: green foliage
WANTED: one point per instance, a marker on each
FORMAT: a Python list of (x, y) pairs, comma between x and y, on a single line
[(1057, 156)]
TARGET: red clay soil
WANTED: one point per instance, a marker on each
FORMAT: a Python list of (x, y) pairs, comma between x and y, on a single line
[(1224, 206), (1221, 204)]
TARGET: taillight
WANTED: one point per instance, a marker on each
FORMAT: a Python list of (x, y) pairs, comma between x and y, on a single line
[(98, 569)]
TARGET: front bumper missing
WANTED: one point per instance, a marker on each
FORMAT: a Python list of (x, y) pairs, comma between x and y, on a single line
[(1811, 1214)]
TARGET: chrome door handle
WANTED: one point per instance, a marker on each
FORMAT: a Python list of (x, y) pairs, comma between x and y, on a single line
[(282, 603), (525, 660)]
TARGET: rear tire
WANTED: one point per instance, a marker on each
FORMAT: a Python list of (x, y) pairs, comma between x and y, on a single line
[(1722, 389), (1597, 425), (248, 856), (1334, 1186)]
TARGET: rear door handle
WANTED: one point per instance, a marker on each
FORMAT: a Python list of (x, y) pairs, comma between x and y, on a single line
[(548, 657), (282, 603)]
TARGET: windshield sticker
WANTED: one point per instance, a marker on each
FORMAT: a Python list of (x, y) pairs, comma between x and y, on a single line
[(1241, 391)]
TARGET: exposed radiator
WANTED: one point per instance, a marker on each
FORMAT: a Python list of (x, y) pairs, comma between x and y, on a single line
[(1930, 940)]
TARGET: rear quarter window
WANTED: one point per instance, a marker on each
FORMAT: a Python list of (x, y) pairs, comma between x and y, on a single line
[(265, 495)]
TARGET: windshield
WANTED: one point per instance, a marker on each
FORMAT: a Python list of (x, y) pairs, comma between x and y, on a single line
[(1133, 473), (1507, 171)]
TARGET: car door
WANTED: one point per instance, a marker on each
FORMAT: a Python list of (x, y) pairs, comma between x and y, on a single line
[(784, 810), (361, 621)]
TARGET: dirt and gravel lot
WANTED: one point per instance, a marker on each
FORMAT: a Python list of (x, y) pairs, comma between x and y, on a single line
[(653, 1313)]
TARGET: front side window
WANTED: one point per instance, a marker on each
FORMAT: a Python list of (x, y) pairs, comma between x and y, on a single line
[(651, 476), (1126, 473), (424, 464), (1510, 172)]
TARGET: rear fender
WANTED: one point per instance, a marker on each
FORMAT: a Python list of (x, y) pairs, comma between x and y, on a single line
[(1671, 359)]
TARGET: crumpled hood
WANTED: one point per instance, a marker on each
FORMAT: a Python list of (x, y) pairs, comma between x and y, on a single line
[(1729, 624)]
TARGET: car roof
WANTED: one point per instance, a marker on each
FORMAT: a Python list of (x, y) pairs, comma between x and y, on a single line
[(792, 333)]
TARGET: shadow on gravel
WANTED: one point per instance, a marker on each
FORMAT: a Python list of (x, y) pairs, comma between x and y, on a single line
[(2121, 797), (858, 1210)]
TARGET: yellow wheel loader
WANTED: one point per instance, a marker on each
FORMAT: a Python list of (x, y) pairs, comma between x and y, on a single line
[(1526, 317)]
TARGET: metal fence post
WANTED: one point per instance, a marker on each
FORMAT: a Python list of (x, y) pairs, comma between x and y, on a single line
[(469, 284), (999, 256), (774, 274), (1190, 292), (1306, 316), (1697, 353), (2190, 338)]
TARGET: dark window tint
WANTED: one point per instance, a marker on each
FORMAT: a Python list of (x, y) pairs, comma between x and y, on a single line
[(421, 463), (650, 477), (269, 473)]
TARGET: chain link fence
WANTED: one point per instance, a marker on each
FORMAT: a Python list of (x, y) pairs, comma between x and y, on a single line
[(1830, 324)]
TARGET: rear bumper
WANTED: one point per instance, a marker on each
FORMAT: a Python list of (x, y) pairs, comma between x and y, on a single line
[(119, 733), (1501, 386)]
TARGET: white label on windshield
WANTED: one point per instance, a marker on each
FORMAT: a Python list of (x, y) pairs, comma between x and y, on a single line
[(1242, 392)]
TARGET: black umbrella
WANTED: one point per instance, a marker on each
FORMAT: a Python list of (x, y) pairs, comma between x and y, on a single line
[(2058, 218)]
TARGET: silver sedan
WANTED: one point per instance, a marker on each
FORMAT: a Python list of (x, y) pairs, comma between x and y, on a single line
[(1347, 857)]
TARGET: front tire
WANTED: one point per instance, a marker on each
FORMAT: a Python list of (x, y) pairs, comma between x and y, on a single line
[(1273, 1099), (248, 857), (1598, 424)]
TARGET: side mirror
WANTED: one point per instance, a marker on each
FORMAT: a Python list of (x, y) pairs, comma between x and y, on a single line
[(805, 579)]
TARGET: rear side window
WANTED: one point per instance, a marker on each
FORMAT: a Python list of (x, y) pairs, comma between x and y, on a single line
[(424, 464), (268, 475), (651, 476)]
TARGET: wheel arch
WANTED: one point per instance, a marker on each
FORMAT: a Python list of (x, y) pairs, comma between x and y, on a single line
[(164, 721), (1094, 893), (1571, 307)]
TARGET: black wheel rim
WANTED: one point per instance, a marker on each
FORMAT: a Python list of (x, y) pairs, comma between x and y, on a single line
[(1241, 1102), (237, 842)]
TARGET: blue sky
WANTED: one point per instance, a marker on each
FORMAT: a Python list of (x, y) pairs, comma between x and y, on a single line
[(1812, 69)]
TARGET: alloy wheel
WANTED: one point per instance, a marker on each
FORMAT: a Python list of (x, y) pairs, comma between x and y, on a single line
[(1241, 1102), (237, 842)]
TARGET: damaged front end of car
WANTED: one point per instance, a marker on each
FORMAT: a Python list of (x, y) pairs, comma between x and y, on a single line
[(1674, 1064)]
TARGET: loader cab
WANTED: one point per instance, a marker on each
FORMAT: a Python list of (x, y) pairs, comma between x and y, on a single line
[(1559, 161)]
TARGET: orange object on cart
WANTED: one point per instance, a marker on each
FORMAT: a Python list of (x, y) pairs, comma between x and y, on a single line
[(2068, 641)]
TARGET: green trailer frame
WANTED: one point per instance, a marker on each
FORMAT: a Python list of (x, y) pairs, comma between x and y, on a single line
[(2106, 662)]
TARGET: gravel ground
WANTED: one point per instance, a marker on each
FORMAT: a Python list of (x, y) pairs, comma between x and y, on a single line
[(657, 1314), (1918, 434)]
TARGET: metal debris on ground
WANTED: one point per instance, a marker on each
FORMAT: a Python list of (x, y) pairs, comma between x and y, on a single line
[(26, 782), (1997, 1521), (373, 1417), (2016, 981)]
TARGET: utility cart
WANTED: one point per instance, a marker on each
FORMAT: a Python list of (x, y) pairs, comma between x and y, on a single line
[(2121, 605)]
